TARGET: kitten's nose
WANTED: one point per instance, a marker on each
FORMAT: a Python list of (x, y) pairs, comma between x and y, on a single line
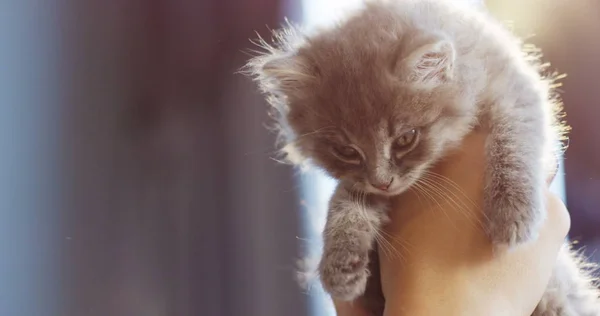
[(383, 186)]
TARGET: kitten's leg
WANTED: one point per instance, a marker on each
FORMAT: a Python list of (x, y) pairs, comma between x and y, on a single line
[(352, 224), (571, 290), (514, 201)]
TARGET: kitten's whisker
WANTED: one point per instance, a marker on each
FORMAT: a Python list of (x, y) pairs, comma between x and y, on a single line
[(256, 152), (356, 198), (317, 131), (419, 190), (431, 199), (403, 243), (430, 190), (362, 212), (415, 189), (443, 193), (278, 161), (386, 249), (381, 240), (427, 190), (459, 205), (455, 186), (392, 252), (317, 114), (396, 254)]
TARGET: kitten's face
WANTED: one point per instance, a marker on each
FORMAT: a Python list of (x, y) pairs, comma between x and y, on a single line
[(373, 114), (381, 144)]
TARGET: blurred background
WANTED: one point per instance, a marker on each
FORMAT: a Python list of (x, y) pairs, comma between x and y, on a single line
[(136, 176)]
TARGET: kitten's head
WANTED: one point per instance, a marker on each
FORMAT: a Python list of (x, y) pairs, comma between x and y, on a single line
[(374, 109)]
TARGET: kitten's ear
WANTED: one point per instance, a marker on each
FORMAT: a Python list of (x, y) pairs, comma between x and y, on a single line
[(430, 64), (285, 72)]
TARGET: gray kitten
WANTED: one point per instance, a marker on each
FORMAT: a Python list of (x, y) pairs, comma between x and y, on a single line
[(389, 91)]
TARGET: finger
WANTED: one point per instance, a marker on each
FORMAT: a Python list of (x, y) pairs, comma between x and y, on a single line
[(350, 309), (559, 219), (534, 262)]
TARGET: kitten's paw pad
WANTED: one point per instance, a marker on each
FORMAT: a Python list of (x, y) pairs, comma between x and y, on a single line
[(515, 224), (344, 273)]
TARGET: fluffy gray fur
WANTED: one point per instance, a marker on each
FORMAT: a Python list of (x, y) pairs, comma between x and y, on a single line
[(378, 98)]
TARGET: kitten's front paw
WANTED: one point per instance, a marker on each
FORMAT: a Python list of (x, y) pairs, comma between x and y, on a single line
[(514, 220), (344, 272)]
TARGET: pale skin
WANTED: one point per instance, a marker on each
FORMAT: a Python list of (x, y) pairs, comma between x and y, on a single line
[(442, 263)]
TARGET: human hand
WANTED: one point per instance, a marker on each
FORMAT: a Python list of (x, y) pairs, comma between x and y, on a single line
[(441, 261)]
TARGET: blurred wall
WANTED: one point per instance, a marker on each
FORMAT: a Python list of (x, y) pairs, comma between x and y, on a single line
[(136, 178), (30, 101), (175, 207)]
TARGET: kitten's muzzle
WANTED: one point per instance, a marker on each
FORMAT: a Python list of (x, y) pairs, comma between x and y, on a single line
[(383, 186)]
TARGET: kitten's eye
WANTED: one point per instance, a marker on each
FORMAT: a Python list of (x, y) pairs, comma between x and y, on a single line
[(347, 153), (407, 139)]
